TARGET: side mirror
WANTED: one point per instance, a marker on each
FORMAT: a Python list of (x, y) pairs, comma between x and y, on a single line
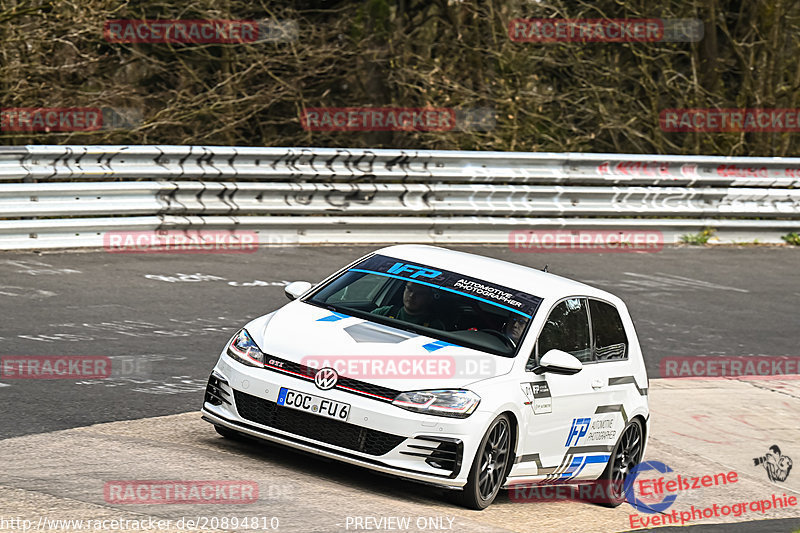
[(558, 362), (296, 289)]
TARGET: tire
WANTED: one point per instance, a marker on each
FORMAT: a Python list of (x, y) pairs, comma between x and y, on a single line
[(627, 453), (490, 466)]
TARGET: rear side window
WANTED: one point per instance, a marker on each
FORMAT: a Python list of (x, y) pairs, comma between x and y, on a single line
[(610, 341), (567, 329)]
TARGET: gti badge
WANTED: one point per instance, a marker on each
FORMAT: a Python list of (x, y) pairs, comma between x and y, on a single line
[(325, 378)]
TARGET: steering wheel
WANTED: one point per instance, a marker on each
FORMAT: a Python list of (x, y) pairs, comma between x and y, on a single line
[(502, 336)]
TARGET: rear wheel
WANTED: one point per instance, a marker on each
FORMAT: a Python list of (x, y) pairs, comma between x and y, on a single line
[(624, 457), (489, 469)]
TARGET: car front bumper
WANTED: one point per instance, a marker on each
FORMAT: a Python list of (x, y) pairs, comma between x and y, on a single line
[(377, 435)]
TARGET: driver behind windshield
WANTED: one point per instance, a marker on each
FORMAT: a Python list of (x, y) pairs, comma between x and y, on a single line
[(514, 329), (418, 307)]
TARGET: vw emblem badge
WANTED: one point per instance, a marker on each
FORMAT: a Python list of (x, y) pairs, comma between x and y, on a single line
[(326, 378)]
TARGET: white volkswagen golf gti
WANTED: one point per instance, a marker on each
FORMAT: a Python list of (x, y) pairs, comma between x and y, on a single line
[(447, 368)]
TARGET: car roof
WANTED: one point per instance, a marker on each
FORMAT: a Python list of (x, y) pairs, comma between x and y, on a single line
[(522, 278)]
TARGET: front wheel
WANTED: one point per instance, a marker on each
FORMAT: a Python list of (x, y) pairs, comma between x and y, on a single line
[(489, 469), (625, 456)]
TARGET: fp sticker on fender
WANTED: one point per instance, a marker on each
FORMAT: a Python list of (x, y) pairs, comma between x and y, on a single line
[(313, 404), (542, 401)]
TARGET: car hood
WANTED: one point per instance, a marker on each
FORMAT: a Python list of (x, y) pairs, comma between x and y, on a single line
[(371, 352)]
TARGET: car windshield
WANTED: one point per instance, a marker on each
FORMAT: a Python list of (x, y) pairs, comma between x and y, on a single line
[(436, 303)]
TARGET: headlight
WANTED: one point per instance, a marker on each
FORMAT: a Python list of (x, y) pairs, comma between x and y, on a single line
[(452, 403), (244, 349)]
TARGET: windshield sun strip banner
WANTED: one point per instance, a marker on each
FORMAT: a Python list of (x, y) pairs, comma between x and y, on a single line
[(444, 289), (518, 302)]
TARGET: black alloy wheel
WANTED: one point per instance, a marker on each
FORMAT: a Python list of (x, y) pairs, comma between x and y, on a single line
[(627, 453), (490, 467)]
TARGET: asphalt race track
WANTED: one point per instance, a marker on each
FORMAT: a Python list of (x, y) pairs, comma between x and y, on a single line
[(684, 302), (167, 316)]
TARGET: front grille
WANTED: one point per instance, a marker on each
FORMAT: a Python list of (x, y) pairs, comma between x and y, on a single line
[(445, 454), (344, 383), (313, 426), (371, 390), (215, 393)]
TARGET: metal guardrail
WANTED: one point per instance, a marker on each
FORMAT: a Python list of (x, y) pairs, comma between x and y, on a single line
[(345, 165), (70, 196), (215, 198)]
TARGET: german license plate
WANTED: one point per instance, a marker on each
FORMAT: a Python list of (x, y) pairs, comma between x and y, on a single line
[(313, 404)]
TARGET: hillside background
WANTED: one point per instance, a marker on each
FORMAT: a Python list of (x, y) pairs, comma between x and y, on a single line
[(582, 97)]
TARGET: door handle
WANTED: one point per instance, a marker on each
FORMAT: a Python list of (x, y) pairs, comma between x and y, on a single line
[(597, 384)]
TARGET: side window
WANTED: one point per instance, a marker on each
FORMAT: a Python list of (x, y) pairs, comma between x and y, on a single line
[(567, 329), (610, 341)]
